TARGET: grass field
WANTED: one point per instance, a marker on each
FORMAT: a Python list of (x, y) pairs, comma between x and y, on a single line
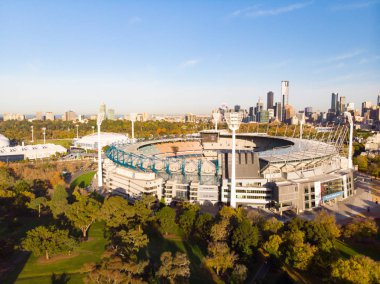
[(69, 269), (351, 249), (83, 180)]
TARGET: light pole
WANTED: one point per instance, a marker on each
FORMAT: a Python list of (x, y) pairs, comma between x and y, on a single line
[(100, 172), (93, 129), (133, 117), (77, 126), (44, 133), (233, 120), (216, 117), (301, 128), (32, 134), (350, 121)]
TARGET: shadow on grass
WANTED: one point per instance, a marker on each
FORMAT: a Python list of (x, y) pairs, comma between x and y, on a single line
[(17, 263), (60, 279)]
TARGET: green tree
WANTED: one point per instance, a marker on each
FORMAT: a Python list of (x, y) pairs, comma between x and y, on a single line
[(358, 269), (132, 240), (175, 267), (21, 186), (166, 217), (117, 212), (58, 203), (186, 221), (239, 274), (143, 209), (362, 163), (272, 246), (83, 213), (360, 229), (220, 231), (272, 225), (47, 241), (203, 225), (37, 203), (220, 257), (245, 237)]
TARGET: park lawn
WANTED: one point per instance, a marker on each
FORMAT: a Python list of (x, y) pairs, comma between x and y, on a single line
[(83, 180), (353, 248), (67, 143), (89, 251)]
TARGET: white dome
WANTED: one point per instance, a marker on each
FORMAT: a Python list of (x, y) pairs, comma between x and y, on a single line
[(106, 138), (4, 141)]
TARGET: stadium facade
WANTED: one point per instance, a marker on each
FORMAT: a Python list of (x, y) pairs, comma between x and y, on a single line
[(284, 173)]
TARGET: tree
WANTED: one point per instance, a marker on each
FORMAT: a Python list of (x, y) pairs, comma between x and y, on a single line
[(117, 212), (272, 225), (83, 213), (360, 229), (362, 163), (220, 231), (272, 246), (203, 225), (220, 257), (21, 186), (37, 203), (186, 221), (239, 274), (58, 203), (47, 241), (298, 253), (143, 209), (358, 269), (132, 240), (173, 268), (166, 217), (245, 237)]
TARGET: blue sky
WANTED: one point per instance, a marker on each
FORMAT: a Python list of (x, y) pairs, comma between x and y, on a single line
[(185, 56)]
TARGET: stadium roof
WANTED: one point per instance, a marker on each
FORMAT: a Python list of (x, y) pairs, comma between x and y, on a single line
[(4, 141)]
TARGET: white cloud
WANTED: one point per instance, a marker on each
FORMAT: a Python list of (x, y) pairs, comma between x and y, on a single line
[(257, 11), (190, 63)]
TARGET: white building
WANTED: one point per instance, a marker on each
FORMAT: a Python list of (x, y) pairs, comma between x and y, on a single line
[(90, 142), (4, 141), (31, 152)]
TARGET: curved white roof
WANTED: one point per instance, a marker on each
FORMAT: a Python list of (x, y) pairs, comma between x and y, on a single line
[(4, 141), (106, 138)]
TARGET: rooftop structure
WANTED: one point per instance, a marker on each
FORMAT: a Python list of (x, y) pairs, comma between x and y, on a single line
[(4, 141), (31, 152), (90, 142)]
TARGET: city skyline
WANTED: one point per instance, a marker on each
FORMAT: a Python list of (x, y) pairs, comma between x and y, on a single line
[(154, 57)]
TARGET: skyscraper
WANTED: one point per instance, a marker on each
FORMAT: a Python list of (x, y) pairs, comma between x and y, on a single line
[(342, 105), (378, 100), (111, 114), (285, 96), (270, 100), (278, 111), (334, 102), (237, 108), (103, 110)]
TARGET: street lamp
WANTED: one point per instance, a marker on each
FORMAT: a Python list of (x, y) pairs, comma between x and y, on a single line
[(77, 126), (32, 134), (93, 129), (350, 121), (133, 117), (44, 133), (100, 172), (216, 117), (233, 120)]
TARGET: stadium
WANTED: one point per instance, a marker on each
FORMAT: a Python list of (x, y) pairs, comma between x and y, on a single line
[(278, 172)]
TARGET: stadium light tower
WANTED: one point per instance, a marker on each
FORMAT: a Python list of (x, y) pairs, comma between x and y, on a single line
[(133, 117), (32, 134), (216, 117), (350, 121), (44, 133), (100, 172), (301, 128), (233, 120), (77, 126), (93, 129)]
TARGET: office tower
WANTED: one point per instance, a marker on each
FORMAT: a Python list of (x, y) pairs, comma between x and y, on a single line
[(49, 116), (366, 106), (270, 96), (111, 114), (378, 100), (342, 105), (145, 116), (237, 108), (289, 112), (271, 113), (334, 102), (278, 111), (285, 96), (103, 110), (350, 107), (69, 116), (251, 111), (39, 115), (308, 111), (263, 116), (259, 106)]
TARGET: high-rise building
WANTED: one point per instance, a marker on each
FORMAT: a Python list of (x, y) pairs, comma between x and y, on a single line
[(308, 111), (259, 106), (103, 110), (69, 116), (237, 108), (111, 114), (289, 112), (263, 116), (285, 96), (39, 116), (49, 116), (278, 111), (378, 100), (334, 102), (270, 96), (13, 116), (366, 106), (342, 105)]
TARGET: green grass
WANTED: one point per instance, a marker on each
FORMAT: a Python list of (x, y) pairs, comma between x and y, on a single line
[(89, 251), (83, 180), (353, 248)]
